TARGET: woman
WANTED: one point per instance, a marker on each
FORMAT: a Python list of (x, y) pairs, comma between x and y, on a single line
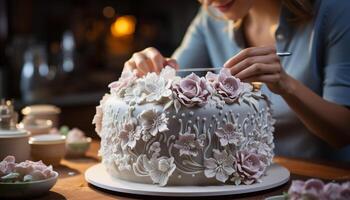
[(310, 90)]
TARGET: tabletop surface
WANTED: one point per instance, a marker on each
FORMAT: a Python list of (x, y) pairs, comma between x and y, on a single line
[(72, 185)]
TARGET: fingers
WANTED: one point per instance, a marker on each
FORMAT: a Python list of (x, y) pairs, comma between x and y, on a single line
[(172, 62), (148, 60), (258, 69), (247, 62), (143, 64), (249, 52), (155, 57), (131, 66), (266, 78)]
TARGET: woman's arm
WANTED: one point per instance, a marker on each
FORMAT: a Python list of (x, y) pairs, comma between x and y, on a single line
[(327, 120)]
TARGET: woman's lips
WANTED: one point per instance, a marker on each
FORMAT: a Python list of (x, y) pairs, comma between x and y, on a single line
[(223, 7)]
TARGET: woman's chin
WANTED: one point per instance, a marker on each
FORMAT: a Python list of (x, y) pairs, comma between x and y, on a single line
[(231, 16)]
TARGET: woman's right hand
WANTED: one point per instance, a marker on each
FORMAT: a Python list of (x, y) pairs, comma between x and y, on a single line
[(148, 60)]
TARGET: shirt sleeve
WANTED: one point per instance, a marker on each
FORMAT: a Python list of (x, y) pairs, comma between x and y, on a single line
[(337, 53), (193, 50)]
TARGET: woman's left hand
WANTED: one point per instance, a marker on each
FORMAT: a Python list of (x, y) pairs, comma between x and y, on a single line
[(261, 64)]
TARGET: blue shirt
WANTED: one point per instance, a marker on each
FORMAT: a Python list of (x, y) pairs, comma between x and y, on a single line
[(320, 60)]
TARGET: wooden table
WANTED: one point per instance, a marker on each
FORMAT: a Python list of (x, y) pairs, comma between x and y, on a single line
[(72, 185)]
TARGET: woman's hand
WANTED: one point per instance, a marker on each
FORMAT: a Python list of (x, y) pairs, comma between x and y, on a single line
[(261, 64), (148, 60)]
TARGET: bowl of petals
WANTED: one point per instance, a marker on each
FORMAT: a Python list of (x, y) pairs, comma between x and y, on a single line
[(77, 144), (315, 189), (25, 179)]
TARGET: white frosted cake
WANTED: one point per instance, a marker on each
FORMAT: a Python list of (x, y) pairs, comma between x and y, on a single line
[(166, 130)]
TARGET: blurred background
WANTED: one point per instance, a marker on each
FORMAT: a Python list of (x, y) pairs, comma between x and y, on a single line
[(65, 52)]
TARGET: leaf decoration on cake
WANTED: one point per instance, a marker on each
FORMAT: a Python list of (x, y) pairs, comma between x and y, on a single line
[(168, 105), (177, 105)]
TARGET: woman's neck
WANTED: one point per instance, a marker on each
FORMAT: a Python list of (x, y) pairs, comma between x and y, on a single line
[(261, 23), (265, 11)]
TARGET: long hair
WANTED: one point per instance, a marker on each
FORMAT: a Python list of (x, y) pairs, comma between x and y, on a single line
[(301, 10)]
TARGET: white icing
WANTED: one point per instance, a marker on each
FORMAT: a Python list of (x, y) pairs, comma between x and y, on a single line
[(143, 143)]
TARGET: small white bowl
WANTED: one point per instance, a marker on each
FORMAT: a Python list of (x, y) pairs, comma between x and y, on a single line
[(48, 148), (27, 189), (39, 127), (79, 148), (14, 142), (43, 111)]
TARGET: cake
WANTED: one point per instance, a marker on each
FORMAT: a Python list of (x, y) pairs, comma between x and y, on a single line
[(166, 130)]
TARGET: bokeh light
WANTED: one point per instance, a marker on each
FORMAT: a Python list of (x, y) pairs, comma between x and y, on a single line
[(108, 12), (123, 26)]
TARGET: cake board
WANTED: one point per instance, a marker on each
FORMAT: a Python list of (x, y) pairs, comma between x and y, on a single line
[(97, 175)]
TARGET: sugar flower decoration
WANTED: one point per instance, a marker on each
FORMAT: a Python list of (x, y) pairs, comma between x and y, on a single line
[(97, 120), (159, 169), (249, 168), (153, 122), (126, 80), (220, 167), (122, 162), (317, 189), (7, 165), (130, 134), (155, 87), (192, 90), (229, 134), (188, 144), (226, 86)]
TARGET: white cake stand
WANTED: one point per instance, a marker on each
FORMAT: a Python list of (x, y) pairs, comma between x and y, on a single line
[(97, 175)]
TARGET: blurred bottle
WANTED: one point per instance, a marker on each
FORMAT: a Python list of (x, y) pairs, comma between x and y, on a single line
[(34, 75), (8, 116), (68, 47)]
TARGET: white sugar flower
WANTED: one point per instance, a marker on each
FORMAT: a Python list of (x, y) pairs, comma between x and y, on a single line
[(130, 134), (153, 122), (97, 120), (229, 134), (168, 73), (126, 79), (134, 94), (155, 149), (159, 169), (188, 144), (122, 162), (220, 167)]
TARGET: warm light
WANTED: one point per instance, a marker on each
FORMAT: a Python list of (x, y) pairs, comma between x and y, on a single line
[(256, 86), (26, 110), (123, 26)]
